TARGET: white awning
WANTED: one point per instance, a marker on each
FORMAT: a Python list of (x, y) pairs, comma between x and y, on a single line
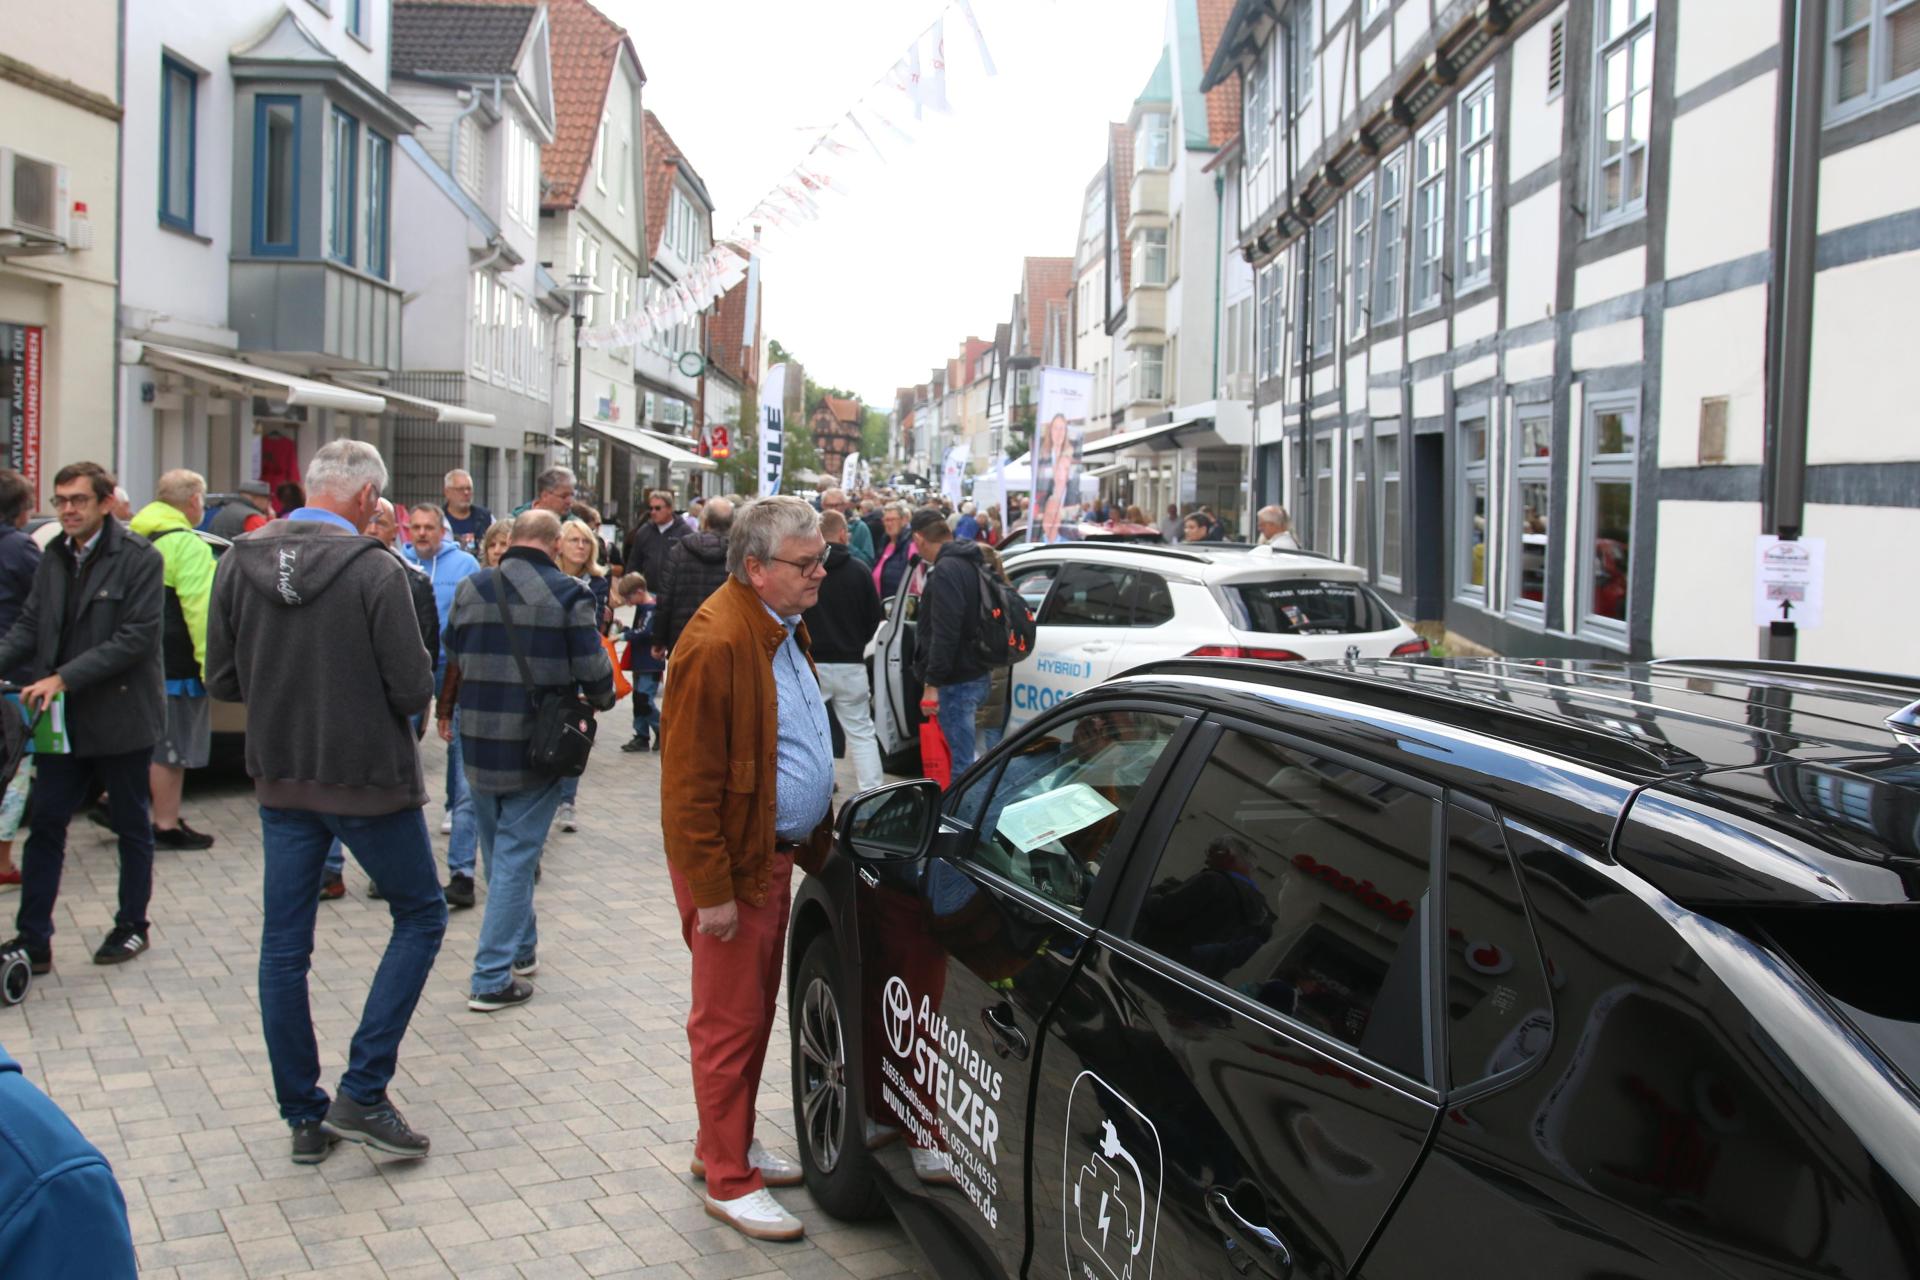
[(400, 402), (244, 378), (1153, 437), (1111, 469), (649, 443)]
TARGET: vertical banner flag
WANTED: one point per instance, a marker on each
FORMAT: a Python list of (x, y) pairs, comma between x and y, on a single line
[(953, 473), (773, 408), (1060, 424), (850, 474), (22, 356)]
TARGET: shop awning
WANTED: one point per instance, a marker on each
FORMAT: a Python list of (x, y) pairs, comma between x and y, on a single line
[(648, 443), (401, 402), (1160, 437), (239, 376), (1111, 469)]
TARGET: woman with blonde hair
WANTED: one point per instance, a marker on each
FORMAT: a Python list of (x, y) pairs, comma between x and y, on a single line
[(497, 538), (578, 556)]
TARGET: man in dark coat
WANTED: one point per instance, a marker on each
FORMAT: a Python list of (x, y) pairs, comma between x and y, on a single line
[(695, 569), (840, 623), (91, 633), (647, 547)]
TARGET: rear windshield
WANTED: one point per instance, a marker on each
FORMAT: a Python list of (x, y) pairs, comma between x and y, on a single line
[(1308, 607)]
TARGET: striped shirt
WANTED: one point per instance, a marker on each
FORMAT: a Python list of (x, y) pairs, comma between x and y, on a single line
[(554, 618)]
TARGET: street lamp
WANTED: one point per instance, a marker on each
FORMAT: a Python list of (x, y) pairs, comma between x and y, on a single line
[(580, 290)]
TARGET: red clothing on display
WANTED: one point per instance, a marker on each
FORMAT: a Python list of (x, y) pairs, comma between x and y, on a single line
[(279, 464)]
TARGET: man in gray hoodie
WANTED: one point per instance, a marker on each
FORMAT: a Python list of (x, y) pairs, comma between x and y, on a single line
[(312, 626)]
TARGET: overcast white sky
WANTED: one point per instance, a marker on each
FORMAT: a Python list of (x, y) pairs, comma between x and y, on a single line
[(927, 249)]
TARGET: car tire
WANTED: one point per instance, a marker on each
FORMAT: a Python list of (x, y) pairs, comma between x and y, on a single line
[(829, 1121)]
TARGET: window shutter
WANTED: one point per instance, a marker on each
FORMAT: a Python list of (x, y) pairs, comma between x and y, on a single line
[(1556, 58)]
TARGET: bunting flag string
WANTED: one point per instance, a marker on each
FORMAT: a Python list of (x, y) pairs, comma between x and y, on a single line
[(910, 88)]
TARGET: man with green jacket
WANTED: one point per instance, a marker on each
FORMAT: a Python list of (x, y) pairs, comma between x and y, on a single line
[(168, 523)]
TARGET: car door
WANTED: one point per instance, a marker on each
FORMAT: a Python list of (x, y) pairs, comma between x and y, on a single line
[(1078, 634), (1252, 1020), (962, 963), (896, 709)]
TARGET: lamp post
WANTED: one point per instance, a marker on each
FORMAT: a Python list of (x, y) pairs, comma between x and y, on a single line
[(580, 290)]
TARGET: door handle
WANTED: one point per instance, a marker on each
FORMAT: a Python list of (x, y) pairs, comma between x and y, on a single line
[(1251, 1247), (1097, 646), (1009, 1041)]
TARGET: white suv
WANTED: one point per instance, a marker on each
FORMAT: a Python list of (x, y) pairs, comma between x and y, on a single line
[(1105, 608)]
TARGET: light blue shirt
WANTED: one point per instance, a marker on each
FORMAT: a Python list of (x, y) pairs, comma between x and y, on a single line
[(324, 516), (803, 784)]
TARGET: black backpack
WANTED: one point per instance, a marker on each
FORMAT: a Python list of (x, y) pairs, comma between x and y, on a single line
[(1003, 633)]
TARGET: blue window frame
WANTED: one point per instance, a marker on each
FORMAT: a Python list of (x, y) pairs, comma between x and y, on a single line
[(345, 170), (276, 176), (378, 220), (357, 19), (179, 129)]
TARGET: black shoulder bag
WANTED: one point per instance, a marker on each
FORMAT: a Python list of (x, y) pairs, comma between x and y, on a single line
[(563, 724)]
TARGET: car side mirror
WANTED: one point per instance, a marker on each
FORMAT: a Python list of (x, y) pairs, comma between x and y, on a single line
[(894, 823)]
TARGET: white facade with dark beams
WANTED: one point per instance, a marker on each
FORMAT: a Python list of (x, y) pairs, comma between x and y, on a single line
[(1511, 262)]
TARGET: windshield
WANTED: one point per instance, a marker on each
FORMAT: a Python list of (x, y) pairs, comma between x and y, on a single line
[(1307, 607)]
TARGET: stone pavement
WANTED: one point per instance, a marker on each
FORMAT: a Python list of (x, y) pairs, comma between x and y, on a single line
[(561, 1129)]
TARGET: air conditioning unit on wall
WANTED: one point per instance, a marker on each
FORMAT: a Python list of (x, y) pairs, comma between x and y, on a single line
[(35, 211)]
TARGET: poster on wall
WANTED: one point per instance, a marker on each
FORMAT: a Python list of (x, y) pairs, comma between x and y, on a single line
[(773, 409), (22, 368), (1060, 425)]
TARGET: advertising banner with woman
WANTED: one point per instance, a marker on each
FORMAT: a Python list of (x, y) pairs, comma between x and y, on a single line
[(1060, 423)]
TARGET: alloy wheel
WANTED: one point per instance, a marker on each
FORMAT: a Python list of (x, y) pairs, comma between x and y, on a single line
[(823, 1052)]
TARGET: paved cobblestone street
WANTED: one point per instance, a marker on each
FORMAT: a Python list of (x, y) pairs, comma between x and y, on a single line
[(561, 1130)]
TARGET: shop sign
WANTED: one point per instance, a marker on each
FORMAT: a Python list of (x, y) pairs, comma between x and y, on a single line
[(22, 367)]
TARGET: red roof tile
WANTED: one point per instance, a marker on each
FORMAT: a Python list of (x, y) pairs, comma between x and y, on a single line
[(843, 410), (586, 47), (735, 349), (1120, 166), (664, 157), (1223, 104)]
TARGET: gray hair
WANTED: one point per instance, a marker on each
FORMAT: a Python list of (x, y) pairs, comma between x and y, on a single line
[(462, 472), (554, 478), (342, 468), (762, 526), (1272, 515), (178, 488), (899, 508), (438, 515), (717, 516)]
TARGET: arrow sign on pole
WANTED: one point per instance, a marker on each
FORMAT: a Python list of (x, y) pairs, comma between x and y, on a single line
[(1789, 581)]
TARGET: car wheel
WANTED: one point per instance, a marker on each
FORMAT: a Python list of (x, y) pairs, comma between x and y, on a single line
[(829, 1121)]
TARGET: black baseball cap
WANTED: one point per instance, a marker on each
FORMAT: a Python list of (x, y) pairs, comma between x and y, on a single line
[(925, 518)]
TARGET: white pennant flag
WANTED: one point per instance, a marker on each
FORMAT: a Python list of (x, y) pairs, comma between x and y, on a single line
[(979, 37), (906, 78), (861, 129), (934, 90)]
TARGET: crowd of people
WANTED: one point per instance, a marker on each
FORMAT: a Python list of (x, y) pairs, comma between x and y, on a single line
[(348, 627)]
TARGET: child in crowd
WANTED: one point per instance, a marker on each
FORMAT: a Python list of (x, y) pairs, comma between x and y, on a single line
[(630, 592)]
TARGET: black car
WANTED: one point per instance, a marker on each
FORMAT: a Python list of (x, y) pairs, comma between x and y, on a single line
[(1386, 969)]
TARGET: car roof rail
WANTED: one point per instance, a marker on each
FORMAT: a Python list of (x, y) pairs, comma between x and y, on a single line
[(1793, 671), (1132, 548)]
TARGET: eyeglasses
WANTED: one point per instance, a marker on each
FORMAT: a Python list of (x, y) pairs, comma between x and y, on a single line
[(61, 501), (808, 567), (658, 506)]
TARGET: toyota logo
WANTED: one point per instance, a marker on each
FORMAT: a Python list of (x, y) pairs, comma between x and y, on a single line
[(896, 1016)]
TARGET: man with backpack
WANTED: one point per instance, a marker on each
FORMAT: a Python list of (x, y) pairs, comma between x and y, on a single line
[(954, 674)]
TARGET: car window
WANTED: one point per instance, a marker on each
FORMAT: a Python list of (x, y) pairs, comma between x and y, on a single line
[(1032, 584), (1499, 1014), (1047, 817), (1108, 596), (1308, 607), (1300, 883)]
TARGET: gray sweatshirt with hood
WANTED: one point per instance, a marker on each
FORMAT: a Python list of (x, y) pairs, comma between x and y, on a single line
[(314, 629)]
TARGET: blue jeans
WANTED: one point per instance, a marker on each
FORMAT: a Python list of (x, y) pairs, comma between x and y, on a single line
[(466, 833), (569, 790), (513, 827), (394, 850), (646, 706), (959, 704)]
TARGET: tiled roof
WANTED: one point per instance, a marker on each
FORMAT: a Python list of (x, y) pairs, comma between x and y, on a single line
[(734, 347), (459, 39), (1223, 103), (664, 159), (1044, 281), (1120, 165), (842, 410)]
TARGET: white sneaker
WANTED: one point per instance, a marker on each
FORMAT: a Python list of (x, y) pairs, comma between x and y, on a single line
[(757, 1215), (775, 1171), (566, 817), (446, 825), (931, 1167)]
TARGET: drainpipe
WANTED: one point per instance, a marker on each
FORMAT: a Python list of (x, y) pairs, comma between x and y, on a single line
[(1219, 270), (474, 103), (1790, 284)]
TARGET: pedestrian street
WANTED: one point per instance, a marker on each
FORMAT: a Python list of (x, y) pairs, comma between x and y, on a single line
[(561, 1129)]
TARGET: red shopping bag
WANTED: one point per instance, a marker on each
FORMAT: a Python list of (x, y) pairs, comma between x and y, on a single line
[(936, 761)]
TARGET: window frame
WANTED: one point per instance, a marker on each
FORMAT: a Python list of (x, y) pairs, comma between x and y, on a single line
[(263, 105), (1468, 471), (1383, 431), (1528, 469), (1595, 470), (171, 71), (600, 153), (355, 19), (1882, 87), (1155, 127), (1325, 469), (1143, 276), (1388, 249), (1359, 505), (1300, 43), (1256, 114), (1476, 271), (1140, 365), (1429, 233), (1326, 281), (1359, 257), (378, 205), (343, 192), (480, 322), (1600, 217)]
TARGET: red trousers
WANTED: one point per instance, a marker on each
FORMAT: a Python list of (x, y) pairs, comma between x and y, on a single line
[(736, 989)]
